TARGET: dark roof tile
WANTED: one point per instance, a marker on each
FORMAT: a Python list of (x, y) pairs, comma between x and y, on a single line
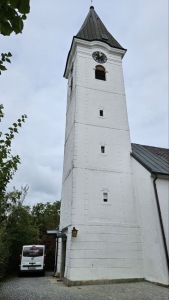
[(94, 29)]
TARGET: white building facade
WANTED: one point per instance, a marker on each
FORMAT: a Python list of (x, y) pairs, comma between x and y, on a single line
[(100, 194)]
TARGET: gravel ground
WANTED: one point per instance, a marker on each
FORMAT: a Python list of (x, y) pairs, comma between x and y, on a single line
[(46, 288)]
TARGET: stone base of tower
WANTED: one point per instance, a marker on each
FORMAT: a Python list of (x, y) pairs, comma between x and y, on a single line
[(102, 281)]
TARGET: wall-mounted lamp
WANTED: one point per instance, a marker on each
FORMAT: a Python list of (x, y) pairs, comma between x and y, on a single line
[(74, 232)]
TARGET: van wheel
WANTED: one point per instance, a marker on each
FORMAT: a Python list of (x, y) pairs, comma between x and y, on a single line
[(43, 273), (19, 274)]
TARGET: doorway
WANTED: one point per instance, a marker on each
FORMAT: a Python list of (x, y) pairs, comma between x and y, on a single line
[(63, 258)]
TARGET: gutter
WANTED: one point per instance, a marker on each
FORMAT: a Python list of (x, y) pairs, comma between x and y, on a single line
[(161, 220)]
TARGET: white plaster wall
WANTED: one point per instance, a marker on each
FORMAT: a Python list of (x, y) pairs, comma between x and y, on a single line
[(89, 140), (66, 201), (68, 154), (70, 116), (106, 252), (154, 256), (59, 256), (91, 101), (88, 206), (108, 245), (163, 194)]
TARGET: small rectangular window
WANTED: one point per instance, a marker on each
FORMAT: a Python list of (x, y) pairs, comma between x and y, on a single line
[(102, 149), (105, 197), (101, 113)]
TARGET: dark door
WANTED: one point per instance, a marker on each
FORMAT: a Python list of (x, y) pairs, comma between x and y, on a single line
[(63, 258)]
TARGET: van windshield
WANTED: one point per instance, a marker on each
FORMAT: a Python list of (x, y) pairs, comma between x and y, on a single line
[(33, 251)]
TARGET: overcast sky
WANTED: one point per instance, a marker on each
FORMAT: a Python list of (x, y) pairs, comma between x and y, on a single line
[(34, 83)]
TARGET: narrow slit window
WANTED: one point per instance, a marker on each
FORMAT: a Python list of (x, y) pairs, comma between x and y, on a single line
[(102, 149), (71, 85), (101, 113), (72, 68), (105, 197), (100, 73)]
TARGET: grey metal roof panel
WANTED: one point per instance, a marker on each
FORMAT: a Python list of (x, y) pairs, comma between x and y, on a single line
[(150, 160), (94, 29), (160, 152)]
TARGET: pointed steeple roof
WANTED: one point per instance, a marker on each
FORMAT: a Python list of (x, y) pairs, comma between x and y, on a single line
[(93, 29)]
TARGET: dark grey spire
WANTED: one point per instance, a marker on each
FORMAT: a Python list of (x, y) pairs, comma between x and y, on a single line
[(93, 29)]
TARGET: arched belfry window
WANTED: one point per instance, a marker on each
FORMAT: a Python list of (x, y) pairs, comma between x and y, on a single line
[(100, 73)]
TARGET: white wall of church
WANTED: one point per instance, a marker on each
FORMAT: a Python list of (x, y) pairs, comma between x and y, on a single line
[(163, 194), (155, 266)]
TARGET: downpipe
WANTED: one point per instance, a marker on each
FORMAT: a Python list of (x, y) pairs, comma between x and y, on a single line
[(161, 220)]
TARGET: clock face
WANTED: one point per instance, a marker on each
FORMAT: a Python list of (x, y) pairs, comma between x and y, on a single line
[(100, 57)]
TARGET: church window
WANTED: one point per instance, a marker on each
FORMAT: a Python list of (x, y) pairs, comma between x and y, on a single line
[(100, 73), (102, 149), (71, 85), (72, 68), (101, 113), (105, 197)]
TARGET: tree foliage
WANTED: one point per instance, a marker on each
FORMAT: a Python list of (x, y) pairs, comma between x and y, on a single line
[(8, 200), (47, 216), (16, 229), (8, 162), (4, 58), (23, 225), (12, 16)]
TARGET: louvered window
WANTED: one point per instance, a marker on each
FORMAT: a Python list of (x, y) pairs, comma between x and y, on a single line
[(100, 73)]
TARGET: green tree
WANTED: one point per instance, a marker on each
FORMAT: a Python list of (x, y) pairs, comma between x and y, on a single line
[(8, 162), (12, 16), (17, 228), (22, 231), (47, 216)]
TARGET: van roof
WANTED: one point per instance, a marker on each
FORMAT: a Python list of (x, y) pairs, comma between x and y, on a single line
[(33, 245)]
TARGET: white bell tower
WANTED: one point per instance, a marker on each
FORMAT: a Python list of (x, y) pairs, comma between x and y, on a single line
[(98, 196)]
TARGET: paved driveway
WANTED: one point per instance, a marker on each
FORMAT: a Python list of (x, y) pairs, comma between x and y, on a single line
[(47, 288)]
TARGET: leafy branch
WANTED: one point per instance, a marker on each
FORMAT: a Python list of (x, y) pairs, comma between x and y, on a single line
[(8, 162), (4, 58), (12, 15)]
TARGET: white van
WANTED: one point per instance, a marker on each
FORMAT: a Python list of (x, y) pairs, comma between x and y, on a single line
[(32, 259)]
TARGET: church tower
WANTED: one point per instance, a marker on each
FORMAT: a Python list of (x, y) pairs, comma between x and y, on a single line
[(98, 195)]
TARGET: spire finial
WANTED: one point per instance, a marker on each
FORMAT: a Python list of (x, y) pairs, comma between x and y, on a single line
[(91, 4)]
